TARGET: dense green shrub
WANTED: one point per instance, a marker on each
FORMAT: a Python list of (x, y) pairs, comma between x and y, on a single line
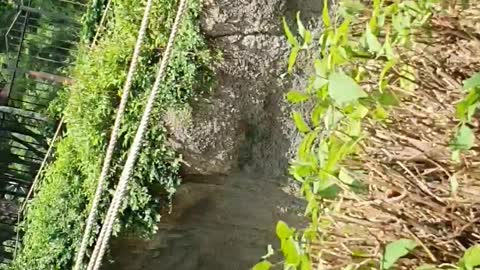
[(55, 218)]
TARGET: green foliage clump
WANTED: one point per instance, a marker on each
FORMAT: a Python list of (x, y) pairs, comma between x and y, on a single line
[(465, 110), (343, 95), (55, 217), (91, 19)]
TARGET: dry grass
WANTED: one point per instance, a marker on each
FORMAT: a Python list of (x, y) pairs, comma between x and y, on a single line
[(407, 162)]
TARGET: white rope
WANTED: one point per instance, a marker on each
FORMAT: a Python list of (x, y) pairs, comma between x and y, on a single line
[(113, 139), (120, 193), (101, 24)]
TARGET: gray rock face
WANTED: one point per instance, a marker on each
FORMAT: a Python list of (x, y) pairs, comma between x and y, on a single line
[(213, 226), (237, 144), (245, 124)]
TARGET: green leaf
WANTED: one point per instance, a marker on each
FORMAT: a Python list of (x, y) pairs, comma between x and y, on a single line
[(456, 156), (464, 139), (345, 177), (471, 258), (319, 83), (387, 48), (359, 112), (308, 38), (296, 97), (342, 33), (290, 38), (467, 107), (388, 99), (389, 65), (325, 15), (300, 123), (304, 150), (264, 265), (472, 82), (289, 248), (317, 114), (355, 128), (352, 6), (395, 250), (380, 114), (331, 192), (374, 45), (306, 264), (321, 67), (343, 89), (292, 59), (283, 231), (372, 25), (301, 27), (332, 117)]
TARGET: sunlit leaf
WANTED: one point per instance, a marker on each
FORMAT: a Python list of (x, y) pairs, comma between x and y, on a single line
[(380, 114), (388, 99), (319, 83), (325, 15), (305, 152), (300, 123), (387, 48), (318, 113), (395, 250), (264, 265), (471, 258), (301, 27), (359, 112), (292, 59), (283, 231), (342, 33), (306, 264), (290, 250), (343, 89), (467, 107), (321, 67), (345, 176), (355, 128), (374, 45), (308, 38), (295, 97), (332, 117), (352, 6), (464, 139), (389, 65), (456, 156), (290, 38), (472, 82)]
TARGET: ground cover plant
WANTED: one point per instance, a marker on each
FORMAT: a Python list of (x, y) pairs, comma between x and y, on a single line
[(387, 159), (55, 217)]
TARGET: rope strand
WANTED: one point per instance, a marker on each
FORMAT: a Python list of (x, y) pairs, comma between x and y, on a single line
[(113, 138), (120, 193)]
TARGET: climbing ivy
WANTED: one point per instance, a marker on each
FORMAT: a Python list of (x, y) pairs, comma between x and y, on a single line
[(55, 217)]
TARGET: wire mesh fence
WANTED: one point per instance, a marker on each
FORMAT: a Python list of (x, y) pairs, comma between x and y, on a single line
[(40, 45)]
